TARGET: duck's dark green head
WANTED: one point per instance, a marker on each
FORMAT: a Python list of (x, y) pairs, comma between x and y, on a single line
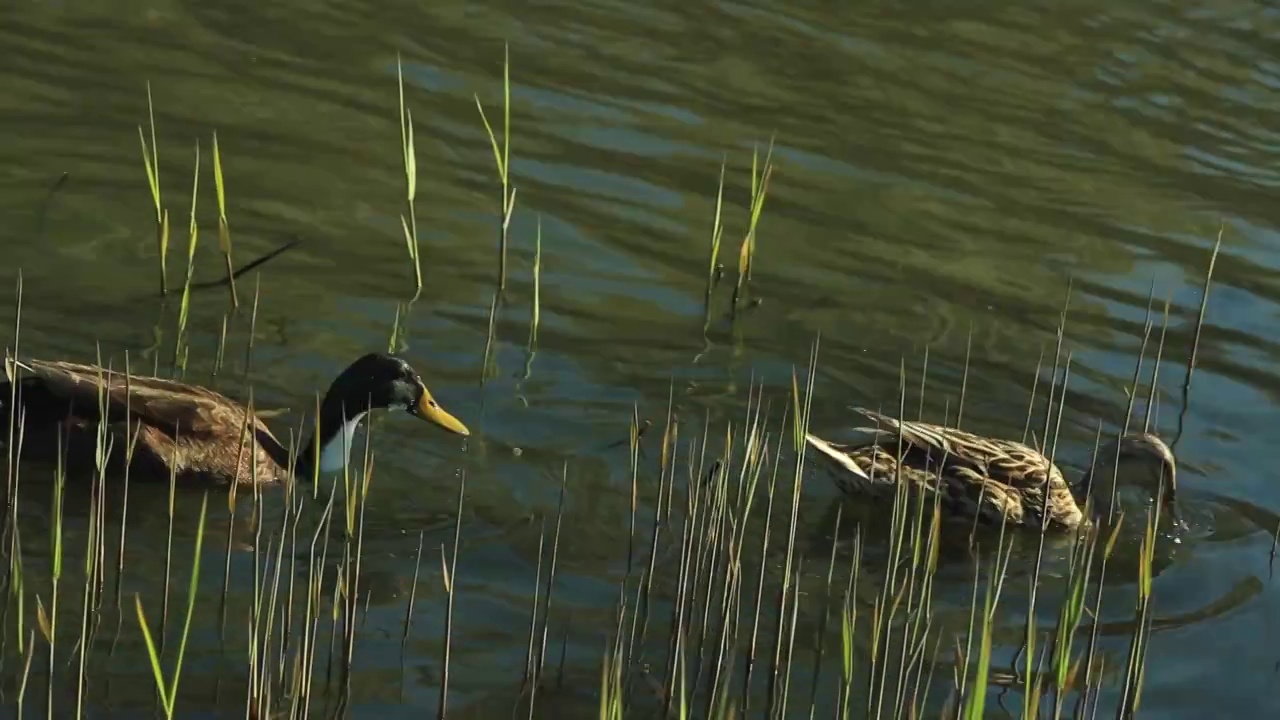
[(382, 380)]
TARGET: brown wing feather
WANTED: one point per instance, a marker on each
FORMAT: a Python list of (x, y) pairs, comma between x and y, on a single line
[(172, 407), (1003, 461), (989, 477), (180, 427)]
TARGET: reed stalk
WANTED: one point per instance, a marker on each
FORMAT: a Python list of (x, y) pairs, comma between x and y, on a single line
[(167, 689), (180, 349), (151, 163), (224, 228), (409, 155), (502, 159)]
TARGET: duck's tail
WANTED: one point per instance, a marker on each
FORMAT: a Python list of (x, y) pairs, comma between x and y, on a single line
[(30, 392), (11, 366), (837, 454)]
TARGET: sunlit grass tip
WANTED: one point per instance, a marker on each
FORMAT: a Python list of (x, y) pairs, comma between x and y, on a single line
[(760, 176), (168, 688), (536, 317), (409, 219), (151, 164), (224, 228), (193, 230), (502, 159)]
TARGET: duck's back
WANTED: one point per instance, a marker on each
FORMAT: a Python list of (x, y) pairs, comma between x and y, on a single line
[(994, 479), (172, 428)]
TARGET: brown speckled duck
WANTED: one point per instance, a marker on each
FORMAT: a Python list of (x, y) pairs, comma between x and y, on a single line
[(993, 478), (193, 432)]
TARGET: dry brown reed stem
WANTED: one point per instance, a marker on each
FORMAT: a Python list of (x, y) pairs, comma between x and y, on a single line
[(253, 326), (633, 462), (487, 368), (450, 571), (413, 595), (1152, 398), (1195, 339), (551, 571), (530, 681)]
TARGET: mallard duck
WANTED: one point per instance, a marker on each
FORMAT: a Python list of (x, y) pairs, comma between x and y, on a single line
[(996, 479), (196, 433)]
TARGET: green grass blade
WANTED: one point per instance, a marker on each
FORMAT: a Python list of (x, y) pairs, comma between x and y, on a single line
[(404, 142), (410, 157), (408, 236), (717, 227), (537, 287), (975, 703), (192, 590), (224, 228), (153, 655), (152, 182), (493, 142), (217, 180), (164, 237), (506, 107), (155, 149)]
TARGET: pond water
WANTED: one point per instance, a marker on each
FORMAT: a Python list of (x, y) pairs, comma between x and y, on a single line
[(943, 175)]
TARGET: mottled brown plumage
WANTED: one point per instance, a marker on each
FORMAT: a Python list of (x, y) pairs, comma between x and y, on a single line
[(992, 478), (187, 431)]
